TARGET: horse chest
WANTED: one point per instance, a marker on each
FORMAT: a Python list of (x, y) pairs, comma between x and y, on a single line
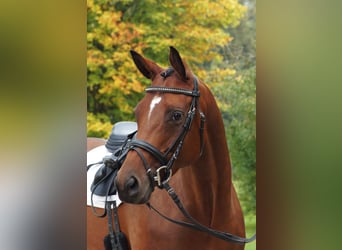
[(181, 239), (148, 231)]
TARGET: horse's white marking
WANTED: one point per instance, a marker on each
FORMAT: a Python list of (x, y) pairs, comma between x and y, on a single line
[(154, 102)]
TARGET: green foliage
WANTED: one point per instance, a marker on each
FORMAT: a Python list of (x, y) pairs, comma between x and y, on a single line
[(241, 51), (195, 28), (237, 100), (216, 40), (236, 95), (250, 225), (113, 90), (98, 126)]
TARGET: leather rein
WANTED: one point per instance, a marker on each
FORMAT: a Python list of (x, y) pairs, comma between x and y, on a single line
[(162, 175)]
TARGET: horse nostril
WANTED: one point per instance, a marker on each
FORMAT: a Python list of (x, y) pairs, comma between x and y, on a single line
[(132, 186)]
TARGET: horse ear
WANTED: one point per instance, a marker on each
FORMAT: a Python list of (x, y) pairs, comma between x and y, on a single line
[(177, 63), (148, 68)]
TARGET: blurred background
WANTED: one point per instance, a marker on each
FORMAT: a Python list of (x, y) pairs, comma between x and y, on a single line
[(218, 41), (44, 66)]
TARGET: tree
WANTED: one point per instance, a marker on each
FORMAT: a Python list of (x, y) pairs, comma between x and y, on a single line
[(196, 28), (112, 91), (212, 36), (241, 52), (237, 99), (236, 95)]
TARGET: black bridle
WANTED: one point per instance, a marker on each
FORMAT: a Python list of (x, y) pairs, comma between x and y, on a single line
[(166, 164), (162, 175), (164, 172)]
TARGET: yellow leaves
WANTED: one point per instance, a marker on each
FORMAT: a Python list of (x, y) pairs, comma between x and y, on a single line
[(98, 127), (196, 28), (121, 85), (238, 78), (110, 19), (227, 72), (218, 13), (107, 41), (201, 74), (218, 77), (94, 59), (93, 7)]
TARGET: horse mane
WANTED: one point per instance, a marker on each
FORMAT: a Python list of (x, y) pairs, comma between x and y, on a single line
[(214, 122)]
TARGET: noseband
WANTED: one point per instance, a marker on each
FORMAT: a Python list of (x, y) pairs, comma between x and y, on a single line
[(162, 175), (164, 172)]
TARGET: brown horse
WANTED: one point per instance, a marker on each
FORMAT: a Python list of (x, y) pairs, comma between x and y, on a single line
[(96, 227), (201, 172)]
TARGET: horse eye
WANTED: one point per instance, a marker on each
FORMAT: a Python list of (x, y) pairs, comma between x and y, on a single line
[(177, 116)]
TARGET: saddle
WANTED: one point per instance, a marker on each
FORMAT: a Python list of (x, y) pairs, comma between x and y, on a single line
[(103, 183), (120, 132)]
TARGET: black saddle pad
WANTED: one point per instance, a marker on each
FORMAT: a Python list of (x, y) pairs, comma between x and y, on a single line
[(103, 183)]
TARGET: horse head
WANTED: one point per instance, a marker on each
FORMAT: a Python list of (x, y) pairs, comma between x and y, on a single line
[(169, 125)]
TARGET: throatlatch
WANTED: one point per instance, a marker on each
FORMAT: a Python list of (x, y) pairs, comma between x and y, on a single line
[(159, 177)]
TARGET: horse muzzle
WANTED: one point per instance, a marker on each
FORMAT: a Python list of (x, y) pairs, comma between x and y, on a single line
[(132, 189)]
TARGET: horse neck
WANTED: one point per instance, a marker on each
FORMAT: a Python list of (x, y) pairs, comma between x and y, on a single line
[(215, 161), (209, 178)]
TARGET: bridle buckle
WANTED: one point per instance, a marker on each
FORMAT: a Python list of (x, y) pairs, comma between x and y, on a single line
[(158, 178)]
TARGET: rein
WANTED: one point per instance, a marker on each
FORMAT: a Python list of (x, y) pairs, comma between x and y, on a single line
[(194, 224), (162, 175), (166, 166)]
